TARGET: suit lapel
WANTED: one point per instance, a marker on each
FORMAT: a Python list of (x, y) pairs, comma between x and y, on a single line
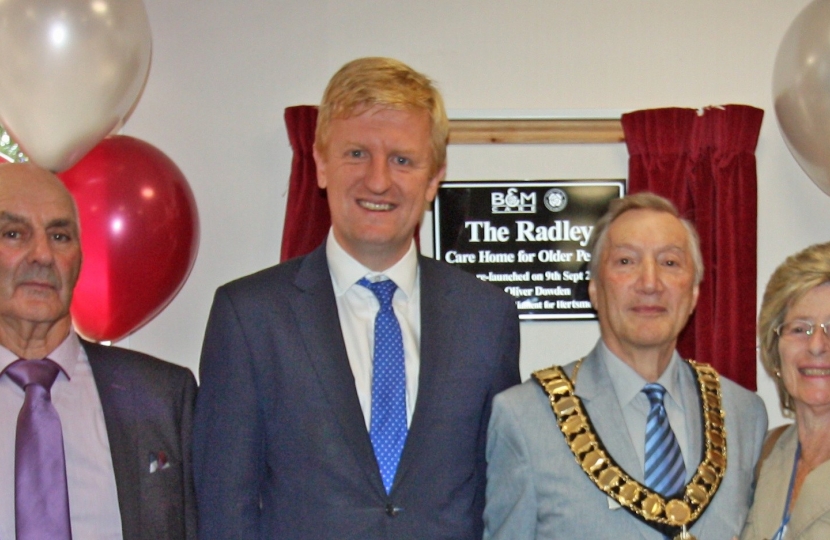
[(597, 393), (813, 503), (116, 400), (316, 310), (595, 389), (441, 312)]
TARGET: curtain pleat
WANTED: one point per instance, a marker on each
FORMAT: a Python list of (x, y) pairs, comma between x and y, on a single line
[(704, 162), (307, 217)]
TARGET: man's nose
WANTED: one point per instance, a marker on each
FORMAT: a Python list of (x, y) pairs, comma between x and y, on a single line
[(41, 249), (649, 280), (378, 177)]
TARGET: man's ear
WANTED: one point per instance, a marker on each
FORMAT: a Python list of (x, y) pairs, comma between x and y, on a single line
[(320, 161), (695, 294), (592, 292), (435, 183)]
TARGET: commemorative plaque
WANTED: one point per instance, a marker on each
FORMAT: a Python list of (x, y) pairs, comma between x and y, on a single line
[(528, 237)]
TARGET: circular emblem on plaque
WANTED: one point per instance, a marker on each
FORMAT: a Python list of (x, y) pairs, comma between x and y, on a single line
[(556, 200)]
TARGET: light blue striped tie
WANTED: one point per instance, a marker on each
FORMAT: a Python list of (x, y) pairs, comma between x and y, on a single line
[(387, 427), (665, 472)]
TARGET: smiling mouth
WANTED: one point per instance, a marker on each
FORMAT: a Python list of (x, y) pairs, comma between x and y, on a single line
[(648, 310), (376, 207), (815, 372)]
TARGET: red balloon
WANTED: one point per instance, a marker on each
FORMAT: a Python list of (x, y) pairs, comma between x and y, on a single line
[(139, 236)]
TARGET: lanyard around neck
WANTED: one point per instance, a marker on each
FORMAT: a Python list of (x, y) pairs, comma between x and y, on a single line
[(785, 519)]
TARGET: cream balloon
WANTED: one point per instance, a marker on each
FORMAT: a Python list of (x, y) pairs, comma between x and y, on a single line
[(801, 91), (71, 71)]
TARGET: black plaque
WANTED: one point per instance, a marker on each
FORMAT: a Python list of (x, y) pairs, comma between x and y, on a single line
[(528, 237)]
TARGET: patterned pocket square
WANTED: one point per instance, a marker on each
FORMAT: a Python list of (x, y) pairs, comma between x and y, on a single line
[(158, 461)]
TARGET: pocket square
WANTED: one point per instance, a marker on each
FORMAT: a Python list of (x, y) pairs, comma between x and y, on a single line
[(158, 461)]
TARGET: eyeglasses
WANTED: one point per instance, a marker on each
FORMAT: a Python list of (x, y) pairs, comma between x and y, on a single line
[(801, 329)]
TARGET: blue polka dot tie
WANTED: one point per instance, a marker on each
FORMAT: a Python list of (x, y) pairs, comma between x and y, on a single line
[(387, 428), (665, 472)]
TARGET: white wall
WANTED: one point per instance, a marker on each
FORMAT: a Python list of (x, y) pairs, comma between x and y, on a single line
[(223, 72)]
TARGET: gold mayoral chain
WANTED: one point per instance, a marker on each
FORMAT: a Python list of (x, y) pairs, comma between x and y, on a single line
[(673, 516)]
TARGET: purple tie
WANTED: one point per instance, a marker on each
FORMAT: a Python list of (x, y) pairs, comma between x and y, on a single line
[(41, 499)]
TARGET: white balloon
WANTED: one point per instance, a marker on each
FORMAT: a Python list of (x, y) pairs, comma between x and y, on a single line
[(801, 91), (71, 71)]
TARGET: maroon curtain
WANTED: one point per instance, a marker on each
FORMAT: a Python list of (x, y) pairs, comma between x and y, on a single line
[(705, 163), (307, 218)]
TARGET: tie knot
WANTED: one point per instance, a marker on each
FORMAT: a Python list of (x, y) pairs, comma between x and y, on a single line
[(654, 392), (383, 290), (40, 372)]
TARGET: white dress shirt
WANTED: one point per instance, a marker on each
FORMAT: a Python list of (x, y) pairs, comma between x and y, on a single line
[(357, 307), (681, 389), (93, 499)]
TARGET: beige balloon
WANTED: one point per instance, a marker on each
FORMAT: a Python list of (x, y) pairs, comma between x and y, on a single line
[(801, 91), (70, 73)]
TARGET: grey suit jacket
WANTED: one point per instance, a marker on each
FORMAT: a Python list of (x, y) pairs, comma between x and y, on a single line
[(148, 410), (537, 490), (810, 519), (281, 448)]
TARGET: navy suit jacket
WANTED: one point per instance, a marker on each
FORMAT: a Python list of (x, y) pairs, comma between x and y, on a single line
[(148, 410), (281, 448)]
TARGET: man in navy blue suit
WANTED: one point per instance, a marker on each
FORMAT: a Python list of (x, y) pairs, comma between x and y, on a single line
[(283, 431)]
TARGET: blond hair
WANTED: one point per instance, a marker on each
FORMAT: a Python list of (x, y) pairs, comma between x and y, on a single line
[(369, 82), (794, 278)]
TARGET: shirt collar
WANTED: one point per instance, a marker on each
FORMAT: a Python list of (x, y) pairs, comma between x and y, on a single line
[(67, 355), (346, 270), (628, 383)]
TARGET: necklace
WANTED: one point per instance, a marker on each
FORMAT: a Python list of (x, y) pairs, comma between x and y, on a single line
[(669, 516)]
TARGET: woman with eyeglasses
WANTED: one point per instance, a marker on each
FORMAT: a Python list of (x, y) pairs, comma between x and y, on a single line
[(792, 494)]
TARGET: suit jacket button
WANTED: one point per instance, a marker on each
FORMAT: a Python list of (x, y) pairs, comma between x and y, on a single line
[(391, 511)]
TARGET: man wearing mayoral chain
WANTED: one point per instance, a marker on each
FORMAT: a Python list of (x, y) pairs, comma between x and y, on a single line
[(631, 441)]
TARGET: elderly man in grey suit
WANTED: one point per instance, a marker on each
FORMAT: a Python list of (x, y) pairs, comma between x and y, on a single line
[(631, 441), (94, 440)]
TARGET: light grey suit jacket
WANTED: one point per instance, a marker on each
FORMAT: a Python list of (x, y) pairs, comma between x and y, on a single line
[(537, 490), (810, 519)]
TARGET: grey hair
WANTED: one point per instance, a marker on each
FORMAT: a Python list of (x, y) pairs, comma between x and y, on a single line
[(644, 200)]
